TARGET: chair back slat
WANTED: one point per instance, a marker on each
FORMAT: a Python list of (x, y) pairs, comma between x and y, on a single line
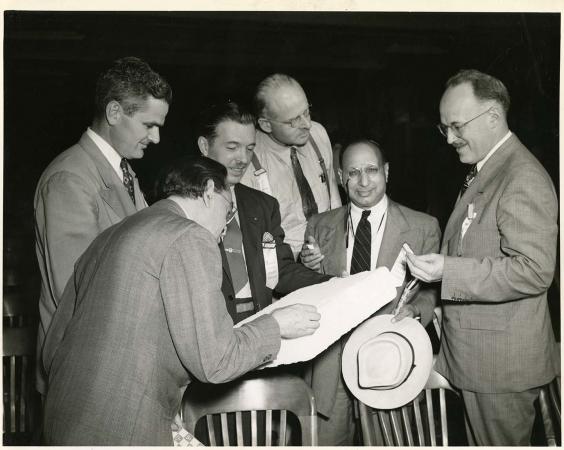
[(282, 440), (12, 400), (444, 421), (239, 428), (211, 430), (407, 422), (419, 423), (254, 429), (431, 416), (396, 427), (386, 428), (224, 429)]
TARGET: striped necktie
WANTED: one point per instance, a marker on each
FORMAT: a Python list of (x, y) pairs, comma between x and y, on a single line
[(127, 179), (362, 245), (469, 179)]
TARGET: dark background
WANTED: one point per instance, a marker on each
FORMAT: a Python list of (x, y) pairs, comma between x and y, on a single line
[(376, 73)]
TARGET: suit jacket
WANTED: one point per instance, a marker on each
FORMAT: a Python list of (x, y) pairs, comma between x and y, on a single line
[(259, 213), (423, 235), (78, 196), (497, 335), (142, 316)]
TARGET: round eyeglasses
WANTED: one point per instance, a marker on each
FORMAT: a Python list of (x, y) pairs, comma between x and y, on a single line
[(354, 173), (456, 128), (296, 121)]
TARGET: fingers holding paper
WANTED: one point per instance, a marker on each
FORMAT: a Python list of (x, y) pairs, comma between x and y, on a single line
[(406, 311), (297, 320), (428, 268)]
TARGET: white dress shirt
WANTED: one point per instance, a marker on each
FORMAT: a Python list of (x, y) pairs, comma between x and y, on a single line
[(275, 159), (113, 157), (377, 220)]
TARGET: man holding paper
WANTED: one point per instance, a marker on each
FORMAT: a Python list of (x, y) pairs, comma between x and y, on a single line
[(496, 265), (368, 233)]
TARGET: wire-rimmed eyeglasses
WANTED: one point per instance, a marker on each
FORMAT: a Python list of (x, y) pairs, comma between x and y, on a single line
[(371, 171), (457, 127), (295, 122)]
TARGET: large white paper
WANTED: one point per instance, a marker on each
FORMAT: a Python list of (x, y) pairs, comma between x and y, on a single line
[(343, 304)]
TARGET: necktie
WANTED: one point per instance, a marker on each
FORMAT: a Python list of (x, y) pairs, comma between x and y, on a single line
[(308, 201), (233, 244), (127, 179), (469, 179), (362, 245)]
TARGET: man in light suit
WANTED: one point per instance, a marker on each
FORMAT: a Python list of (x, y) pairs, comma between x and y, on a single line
[(261, 258), (497, 261), (143, 315), (91, 186), (337, 244)]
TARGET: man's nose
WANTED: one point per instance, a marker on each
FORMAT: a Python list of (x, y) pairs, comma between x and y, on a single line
[(363, 180), (154, 135), (243, 156), (305, 122), (451, 137)]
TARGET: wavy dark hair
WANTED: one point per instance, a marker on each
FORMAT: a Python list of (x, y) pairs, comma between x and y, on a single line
[(130, 81)]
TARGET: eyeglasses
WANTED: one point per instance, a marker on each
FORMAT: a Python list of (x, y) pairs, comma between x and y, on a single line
[(296, 121), (457, 128), (355, 173), (232, 211)]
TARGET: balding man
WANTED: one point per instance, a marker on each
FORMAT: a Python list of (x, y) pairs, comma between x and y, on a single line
[(496, 264), (293, 158)]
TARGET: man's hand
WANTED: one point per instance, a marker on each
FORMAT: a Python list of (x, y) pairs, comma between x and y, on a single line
[(297, 320), (427, 268), (310, 255), (406, 311)]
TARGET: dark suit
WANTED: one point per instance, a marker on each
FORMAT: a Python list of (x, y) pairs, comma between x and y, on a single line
[(259, 213), (142, 317), (497, 335), (78, 196), (403, 225)]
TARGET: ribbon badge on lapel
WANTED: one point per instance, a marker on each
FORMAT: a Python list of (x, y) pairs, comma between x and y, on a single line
[(270, 260)]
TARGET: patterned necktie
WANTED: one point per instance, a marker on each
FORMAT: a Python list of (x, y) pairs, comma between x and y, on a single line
[(233, 245), (362, 245), (308, 201), (469, 179), (127, 179)]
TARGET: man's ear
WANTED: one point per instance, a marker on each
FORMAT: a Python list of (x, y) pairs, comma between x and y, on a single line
[(209, 192), (204, 146), (113, 112), (386, 170), (494, 116), (265, 125)]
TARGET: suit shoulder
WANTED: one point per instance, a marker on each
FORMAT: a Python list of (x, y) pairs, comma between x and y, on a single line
[(327, 218), (417, 217), (73, 160), (253, 195)]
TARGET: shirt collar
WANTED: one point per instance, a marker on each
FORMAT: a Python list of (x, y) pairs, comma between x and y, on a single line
[(481, 163), (377, 210), (113, 157)]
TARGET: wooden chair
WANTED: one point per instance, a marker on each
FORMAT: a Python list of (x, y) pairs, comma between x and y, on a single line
[(21, 400), (236, 407), (413, 424), (549, 406)]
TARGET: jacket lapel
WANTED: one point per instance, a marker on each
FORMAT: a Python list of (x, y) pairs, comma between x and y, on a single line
[(473, 195), (113, 191), (331, 240), (393, 239)]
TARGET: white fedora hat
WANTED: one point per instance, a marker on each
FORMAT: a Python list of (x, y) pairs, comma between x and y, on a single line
[(386, 365)]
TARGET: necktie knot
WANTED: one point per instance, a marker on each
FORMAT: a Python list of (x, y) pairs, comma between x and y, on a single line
[(365, 214), (127, 179), (469, 179)]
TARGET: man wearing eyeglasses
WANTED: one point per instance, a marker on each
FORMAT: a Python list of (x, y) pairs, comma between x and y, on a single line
[(368, 233), (256, 261), (293, 157), (497, 261), (91, 185)]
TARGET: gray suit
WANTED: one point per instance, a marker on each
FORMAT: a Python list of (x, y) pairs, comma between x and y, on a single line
[(141, 317), (78, 196), (419, 230), (497, 336)]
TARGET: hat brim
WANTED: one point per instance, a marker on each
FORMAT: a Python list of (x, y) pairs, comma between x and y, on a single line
[(423, 360)]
